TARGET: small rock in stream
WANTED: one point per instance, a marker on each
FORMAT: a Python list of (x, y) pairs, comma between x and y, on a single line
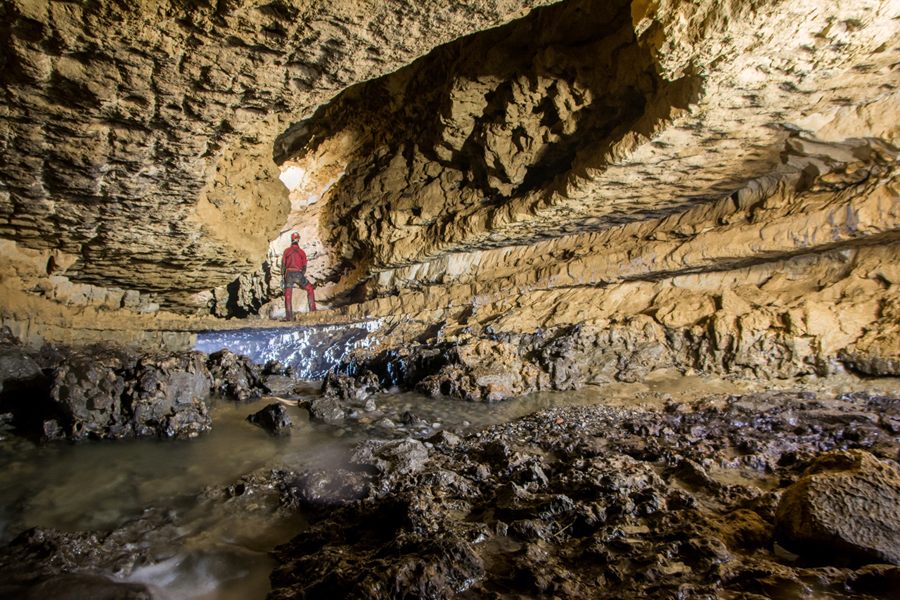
[(273, 418), (327, 410)]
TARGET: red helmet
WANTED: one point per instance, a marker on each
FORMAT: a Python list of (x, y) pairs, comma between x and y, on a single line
[(295, 237)]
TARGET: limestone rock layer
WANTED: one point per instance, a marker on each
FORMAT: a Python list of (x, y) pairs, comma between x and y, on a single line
[(137, 136), (586, 116), (502, 166)]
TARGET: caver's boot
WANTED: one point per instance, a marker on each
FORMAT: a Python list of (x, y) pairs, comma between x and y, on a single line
[(288, 306)]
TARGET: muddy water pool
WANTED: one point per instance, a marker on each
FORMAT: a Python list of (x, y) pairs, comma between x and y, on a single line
[(207, 552)]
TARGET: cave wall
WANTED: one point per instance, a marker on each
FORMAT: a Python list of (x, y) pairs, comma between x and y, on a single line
[(477, 169), (137, 136), (586, 116)]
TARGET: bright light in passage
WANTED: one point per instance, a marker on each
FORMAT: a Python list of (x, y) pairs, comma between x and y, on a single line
[(292, 177)]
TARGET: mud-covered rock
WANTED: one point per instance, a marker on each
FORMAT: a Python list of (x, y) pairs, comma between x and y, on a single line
[(115, 395), (482, 371), (273, 418), (167, 393), (274, 367), (18, 371), (403, 456), (507, 366), (235, 375), (589, 502), (281, 385), (318, 564), (105, 391), (845, 509), (878, 581), (88, 393), (326, 410), (320, 487), (349, 388)]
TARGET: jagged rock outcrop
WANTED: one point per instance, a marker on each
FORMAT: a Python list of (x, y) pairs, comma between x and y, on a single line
[(235, 375), (108, 392), (114, 395), (809, 316)]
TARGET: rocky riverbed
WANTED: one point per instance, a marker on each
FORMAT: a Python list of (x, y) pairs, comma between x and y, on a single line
[(766, 494), (691, 501)]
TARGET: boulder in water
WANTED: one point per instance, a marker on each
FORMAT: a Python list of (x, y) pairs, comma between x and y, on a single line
[(116, 395), (327, 410), (349, 388), (273, 418), (235, 375)]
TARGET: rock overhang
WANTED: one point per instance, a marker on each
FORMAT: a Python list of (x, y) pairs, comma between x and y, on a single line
[(143, 141), (140, 134), (490, 142)]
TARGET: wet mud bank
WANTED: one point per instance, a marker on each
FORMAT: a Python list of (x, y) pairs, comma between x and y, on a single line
[(737, 497)]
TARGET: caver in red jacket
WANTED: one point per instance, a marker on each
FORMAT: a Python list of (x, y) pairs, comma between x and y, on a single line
[(293, 272)]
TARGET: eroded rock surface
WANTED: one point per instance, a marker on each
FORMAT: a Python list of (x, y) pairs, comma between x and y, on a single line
[(273, 418), (45, 563), (846, 508), (108, 392), (577, 502), (572, 502), (160, 120), (546, 150), (580, 118)]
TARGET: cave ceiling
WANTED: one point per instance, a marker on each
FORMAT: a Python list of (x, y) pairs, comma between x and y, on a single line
[(145, 140)]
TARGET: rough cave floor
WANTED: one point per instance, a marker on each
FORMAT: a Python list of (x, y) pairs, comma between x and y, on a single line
[(670, 486)]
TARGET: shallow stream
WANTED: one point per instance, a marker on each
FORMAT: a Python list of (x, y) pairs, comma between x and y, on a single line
[(209, 552)]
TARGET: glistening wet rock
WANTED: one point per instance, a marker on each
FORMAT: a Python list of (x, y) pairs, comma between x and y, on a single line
[(326, 410), (278, 378), (45, 563), (108, 392), (235, 375), (348, 388), (845, 509), (273, 418), (326, 487), (114, 394)]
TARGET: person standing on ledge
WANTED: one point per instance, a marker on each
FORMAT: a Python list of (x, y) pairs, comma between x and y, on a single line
[(293, 272)]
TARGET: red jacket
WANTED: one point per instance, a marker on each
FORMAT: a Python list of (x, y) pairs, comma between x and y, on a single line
[(294, 259)]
